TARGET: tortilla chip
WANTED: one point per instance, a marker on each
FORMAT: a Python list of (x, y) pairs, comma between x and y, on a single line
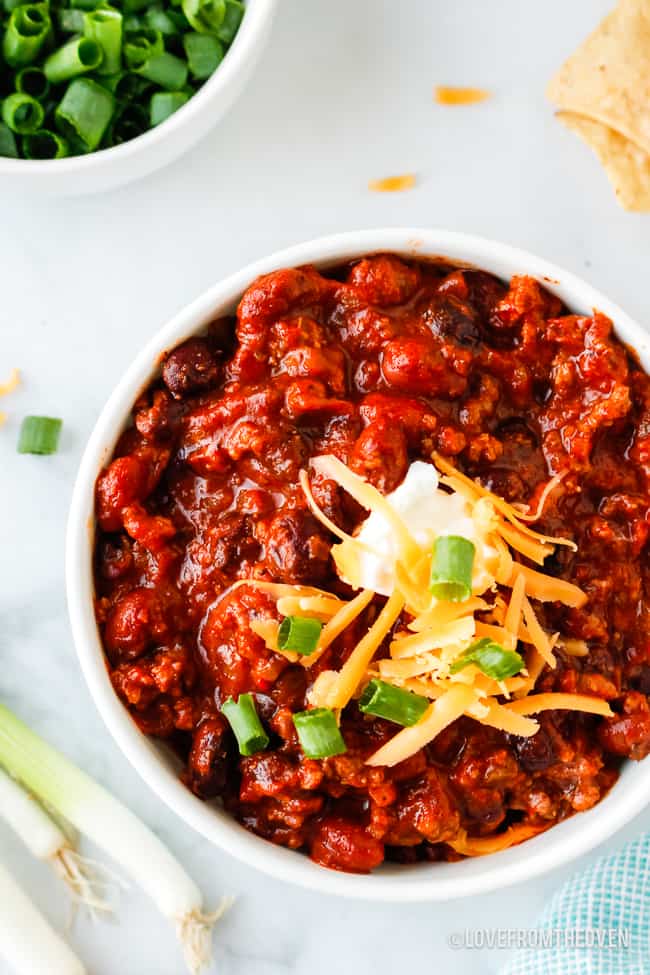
[(627, 166), (608, 77)]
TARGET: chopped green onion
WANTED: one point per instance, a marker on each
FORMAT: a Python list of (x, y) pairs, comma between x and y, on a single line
[(39, 435), (319, 733), (92, 810), (204, 54), (45, 145), (85, 112), (126, 87), (232, 18), (85, 4), (71, 21), (132, 6), (164, 104), (451, 568), (141, 46), (300, 634), (158, 19), (130, 121), (32, 81), (104, 27), (22, 113), (491, 658), (392, 703), (206, 16), (245, 723), (8, 147), (25, 34), (77, 57), (165, 70)]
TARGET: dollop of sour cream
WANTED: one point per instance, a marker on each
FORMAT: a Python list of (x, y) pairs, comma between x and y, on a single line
[(428, 512)]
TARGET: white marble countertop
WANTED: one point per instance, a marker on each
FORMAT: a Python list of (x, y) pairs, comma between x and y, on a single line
[(342, 95)]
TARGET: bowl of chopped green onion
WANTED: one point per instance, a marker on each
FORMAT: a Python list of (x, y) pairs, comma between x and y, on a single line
[(94, 94)]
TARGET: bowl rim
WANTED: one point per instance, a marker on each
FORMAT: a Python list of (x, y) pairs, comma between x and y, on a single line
[(247, 40), (424, 882)]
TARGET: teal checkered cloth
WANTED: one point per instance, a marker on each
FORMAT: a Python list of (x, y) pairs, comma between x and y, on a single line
[(609, 901)]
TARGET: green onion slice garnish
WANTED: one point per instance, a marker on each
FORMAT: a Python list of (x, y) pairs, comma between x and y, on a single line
[(491, 658), (392, 703), (451, 568), (300, 634), (319, 733), (243, 719), (39, 435)]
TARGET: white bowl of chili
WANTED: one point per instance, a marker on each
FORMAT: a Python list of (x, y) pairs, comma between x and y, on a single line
[(179, 121), (391, 882)]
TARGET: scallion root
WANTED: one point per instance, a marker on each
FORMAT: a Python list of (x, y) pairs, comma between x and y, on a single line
[(194, 931), (85, 881)]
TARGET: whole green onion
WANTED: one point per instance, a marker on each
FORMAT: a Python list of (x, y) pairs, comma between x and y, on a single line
[(204, 53), (206, 16), (141, 46), (32, 81), (25, 34), (300, 634), (104, 27), (165, 103), (39, 435), (75, 58), (85, 112), (245, 723), (8, 147), (319, 733), (392, 703), (232, 18), (22, 113), (490, 658), (45, 145), (451, 568)]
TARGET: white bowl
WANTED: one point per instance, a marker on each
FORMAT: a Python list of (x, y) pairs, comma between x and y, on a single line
[(392, 882), (107, 168)]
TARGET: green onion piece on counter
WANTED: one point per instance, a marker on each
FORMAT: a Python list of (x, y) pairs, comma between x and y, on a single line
[(451, 568), (300, 634), (392, 703), (243, 719), (204, 53), (39, 435), (491, 658), (8, 147), (25, 34), (104, 27), (75, 58), (142, 45), (71, 21), (206, 16), (93, 811), (32, 81), (85, 112), (165, 103), (232, 18), (22, 113), (319, 733), (165, 70), (158, 19), (45, 145)]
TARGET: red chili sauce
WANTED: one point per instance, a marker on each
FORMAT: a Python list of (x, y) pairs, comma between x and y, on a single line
[(379, 362)]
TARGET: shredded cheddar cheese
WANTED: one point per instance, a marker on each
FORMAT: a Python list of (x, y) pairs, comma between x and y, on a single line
[(414, 640), (12, 383), (393, 184), (446, 95)]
